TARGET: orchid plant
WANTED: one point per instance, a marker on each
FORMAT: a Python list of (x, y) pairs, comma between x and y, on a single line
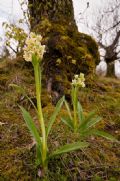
[(33, 52), (78, 122)]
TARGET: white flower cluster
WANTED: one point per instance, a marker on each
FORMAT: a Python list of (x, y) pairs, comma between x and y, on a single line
[(79, 80), (33, 47)]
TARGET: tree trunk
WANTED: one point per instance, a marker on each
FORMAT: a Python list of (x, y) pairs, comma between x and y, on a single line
[(68, 52), (54, 10)]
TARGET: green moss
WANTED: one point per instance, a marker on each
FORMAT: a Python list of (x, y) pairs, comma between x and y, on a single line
[(44, 27), (99, 160)]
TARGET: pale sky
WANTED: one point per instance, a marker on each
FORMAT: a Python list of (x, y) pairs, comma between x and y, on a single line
[(10, 10), (82, 12)]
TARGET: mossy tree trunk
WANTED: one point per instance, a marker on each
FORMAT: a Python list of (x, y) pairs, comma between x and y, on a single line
[(54, 10), (68, 52)]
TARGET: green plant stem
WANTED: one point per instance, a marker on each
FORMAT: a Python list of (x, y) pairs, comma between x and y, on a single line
[(75, 92), (37, 72)]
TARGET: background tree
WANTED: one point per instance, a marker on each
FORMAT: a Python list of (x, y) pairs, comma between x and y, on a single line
[(68, 51), (106, 30)]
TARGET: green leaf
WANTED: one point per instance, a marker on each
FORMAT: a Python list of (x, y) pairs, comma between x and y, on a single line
[(84, 134), (18, 88), (31, 125), (68, 122), (38, 155), (54, 115), (69, 147), (68, 109), (104, 134), (98, 133), (80, 112), (90, 116), (93, 122)]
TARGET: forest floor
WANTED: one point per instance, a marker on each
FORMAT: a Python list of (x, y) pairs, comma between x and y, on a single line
[(99, 162)]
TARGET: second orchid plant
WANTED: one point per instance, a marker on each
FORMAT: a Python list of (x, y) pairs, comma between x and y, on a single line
[(78, 122)]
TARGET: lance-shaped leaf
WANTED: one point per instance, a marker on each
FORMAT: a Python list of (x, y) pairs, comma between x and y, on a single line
[(83, 125), (98, 133), (104, 135), (68, 122), (80, 113), (38, 155), (31, 125), (70, 147), (93, 122), (18, 88), (68, 109), (54, 115)]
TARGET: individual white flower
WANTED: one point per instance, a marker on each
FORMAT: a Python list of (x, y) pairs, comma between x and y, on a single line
[(73, 82), (76, 76), (33, 47), (82, 77)]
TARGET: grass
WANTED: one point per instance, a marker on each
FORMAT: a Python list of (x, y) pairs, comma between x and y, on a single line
[(98, 162)]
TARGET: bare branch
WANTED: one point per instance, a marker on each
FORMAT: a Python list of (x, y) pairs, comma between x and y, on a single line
[(12, 49)]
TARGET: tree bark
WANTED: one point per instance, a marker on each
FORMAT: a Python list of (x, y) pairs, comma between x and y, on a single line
[(54, 10), (111, 53), (68, 52)]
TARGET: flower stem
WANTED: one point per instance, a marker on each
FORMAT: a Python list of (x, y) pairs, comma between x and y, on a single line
[(37, 72), (75, 90)]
